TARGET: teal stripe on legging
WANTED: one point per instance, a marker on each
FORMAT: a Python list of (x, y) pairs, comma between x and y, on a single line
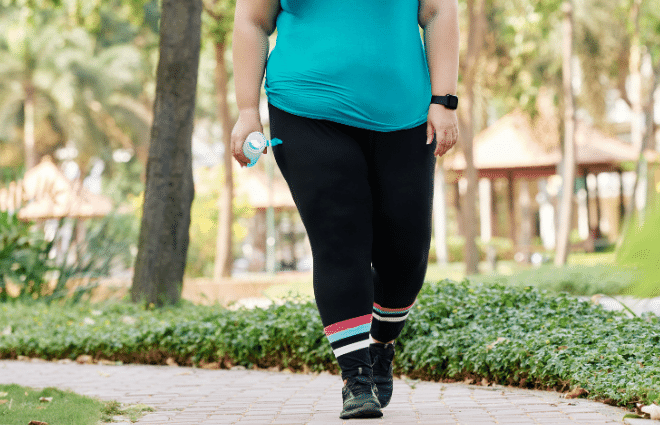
[(349, 332)]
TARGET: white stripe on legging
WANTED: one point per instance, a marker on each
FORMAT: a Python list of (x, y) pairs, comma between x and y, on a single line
[(351, 347), (390, 319)]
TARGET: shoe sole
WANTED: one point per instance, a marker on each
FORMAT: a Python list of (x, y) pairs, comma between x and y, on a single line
[(367, 410)]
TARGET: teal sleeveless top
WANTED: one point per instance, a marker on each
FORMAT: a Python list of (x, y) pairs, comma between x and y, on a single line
[(355, 62)]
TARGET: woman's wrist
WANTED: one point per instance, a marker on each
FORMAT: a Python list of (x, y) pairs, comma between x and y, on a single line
[(249, 111)]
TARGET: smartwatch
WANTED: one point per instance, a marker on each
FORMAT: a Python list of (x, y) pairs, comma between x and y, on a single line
[(448, 101)]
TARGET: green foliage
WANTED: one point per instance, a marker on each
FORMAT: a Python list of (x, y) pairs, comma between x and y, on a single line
[(23, 257), (530, 338), (25, 261), (640, 249), (204, 220), (507, 335), (115, 408), (218, 19), (107, 243)]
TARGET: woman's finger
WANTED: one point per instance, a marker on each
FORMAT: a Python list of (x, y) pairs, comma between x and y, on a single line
[(429, 133)]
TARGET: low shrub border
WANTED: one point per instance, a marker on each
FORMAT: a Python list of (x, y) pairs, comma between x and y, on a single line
[(456, 331)]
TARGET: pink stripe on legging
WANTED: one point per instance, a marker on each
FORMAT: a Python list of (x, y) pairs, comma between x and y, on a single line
[(347, 324), (394, 310)]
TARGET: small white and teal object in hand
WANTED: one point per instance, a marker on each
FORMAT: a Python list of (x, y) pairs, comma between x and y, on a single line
[(255, 144)]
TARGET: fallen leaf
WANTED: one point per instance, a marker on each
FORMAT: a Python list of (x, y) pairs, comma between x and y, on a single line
[(576, 392), (212, 365), (85, 358), (103, 374), (37, 423), (4, 394), (107, 362), (653, 410), (497, 341), (4, 401), (171, 362), (45, 399)]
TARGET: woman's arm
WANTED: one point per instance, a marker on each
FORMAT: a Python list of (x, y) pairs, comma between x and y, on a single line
[(254, 21), (439, 19)]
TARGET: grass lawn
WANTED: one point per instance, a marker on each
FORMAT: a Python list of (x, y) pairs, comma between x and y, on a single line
[(20, 405), (456, 272)]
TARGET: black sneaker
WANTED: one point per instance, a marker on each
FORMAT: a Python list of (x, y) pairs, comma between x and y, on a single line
[(360, 399), (381, 363)]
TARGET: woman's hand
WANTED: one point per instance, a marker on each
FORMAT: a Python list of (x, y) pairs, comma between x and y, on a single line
[(248, 121), (444, 123)]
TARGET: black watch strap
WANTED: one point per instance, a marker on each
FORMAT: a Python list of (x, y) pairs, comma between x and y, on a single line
[(448, 101)]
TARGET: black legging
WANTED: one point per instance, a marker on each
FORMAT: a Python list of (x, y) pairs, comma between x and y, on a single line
[(365, 198)]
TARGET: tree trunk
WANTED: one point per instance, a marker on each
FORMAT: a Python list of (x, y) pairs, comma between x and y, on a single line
[(568, 172), (476, 33), (636, 127), (223, 258), (28, 126), (440, 215), (169, 191)]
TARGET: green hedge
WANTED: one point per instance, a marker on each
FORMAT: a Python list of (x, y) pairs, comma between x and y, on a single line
[(575, 279), (516, 336)]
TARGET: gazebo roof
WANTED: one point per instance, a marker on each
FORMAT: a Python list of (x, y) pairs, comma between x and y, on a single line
[(510, 147), (509, 143), (45, 193), (596, 148)]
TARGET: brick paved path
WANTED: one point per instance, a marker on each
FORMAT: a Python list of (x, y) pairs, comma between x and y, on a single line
[(187, 396)]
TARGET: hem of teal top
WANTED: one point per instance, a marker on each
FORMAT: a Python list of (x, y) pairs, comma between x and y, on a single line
[(375, 127)]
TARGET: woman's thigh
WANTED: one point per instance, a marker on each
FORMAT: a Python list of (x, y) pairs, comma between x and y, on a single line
[(325, 166), (402, 181)]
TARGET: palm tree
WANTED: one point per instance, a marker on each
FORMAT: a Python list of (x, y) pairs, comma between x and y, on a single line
[(58, 85)]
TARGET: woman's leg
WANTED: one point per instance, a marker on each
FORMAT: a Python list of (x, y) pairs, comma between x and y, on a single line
[(402, 180), (326, 169)]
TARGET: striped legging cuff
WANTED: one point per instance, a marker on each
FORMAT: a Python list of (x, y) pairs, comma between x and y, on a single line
[(349, 335), (388, 322)]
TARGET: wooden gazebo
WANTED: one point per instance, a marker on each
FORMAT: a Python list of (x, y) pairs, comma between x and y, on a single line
[(45, 193), (510, 149)]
